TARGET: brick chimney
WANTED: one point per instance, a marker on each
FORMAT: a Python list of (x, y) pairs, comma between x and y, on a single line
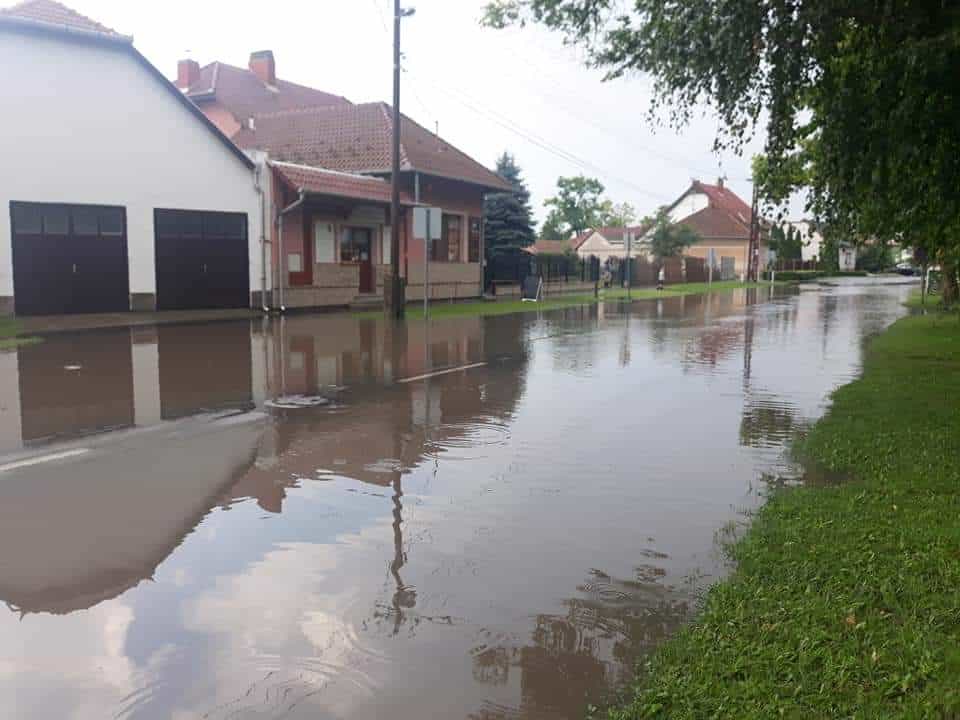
[(188, 73), (263, 66)]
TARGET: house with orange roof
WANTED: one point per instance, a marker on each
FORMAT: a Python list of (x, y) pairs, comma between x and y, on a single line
[(331, 161), (722, 220)]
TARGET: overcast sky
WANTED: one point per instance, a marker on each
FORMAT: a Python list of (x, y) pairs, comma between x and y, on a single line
[(490, 91)]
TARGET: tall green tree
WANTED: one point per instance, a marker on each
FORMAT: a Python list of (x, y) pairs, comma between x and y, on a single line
[(669, 239), (508, 216), (859, 94), (617, 214), (787, 242), (578, 206)]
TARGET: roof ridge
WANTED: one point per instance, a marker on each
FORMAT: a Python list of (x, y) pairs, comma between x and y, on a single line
[(55, 15), (304, 110), (315, 168), (387, 111)]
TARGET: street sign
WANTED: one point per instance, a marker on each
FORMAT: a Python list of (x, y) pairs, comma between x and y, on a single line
[(420, 215)]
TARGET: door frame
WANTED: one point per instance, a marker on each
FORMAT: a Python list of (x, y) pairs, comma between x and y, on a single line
[(365, 267), (305, 275)]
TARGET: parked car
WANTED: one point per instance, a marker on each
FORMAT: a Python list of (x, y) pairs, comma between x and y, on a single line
[(905, 268)]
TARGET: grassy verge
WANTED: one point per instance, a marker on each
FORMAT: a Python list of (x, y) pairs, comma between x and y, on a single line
[(441, 309), (846, 599), (10, 335)]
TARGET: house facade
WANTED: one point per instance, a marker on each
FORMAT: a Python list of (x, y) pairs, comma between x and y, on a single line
[(605, 242), (116, 194), (721, 219), (331, 162)]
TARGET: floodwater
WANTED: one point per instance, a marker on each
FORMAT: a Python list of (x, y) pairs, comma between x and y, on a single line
[(501, 541)]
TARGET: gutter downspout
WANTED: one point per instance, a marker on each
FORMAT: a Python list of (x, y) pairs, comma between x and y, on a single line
[(282, 263), (257, 184)]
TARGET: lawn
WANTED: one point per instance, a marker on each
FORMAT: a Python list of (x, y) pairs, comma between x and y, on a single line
[(846, 598), (440, 309), (10, 335)]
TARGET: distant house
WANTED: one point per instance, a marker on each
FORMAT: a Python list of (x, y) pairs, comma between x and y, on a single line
[(332, 163), (847, 256), (116, 192), (606, 242), (721, 219)]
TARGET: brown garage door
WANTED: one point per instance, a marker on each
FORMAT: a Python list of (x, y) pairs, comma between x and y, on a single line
[(202, 260), (69, 258)]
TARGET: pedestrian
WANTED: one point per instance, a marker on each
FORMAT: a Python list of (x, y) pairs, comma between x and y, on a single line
[(661, 276)]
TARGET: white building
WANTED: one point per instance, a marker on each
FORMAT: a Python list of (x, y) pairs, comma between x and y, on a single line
[(605, 243), (117, 193), (812, 239)]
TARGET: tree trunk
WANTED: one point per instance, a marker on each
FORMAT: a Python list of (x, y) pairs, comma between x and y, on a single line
[(950, 290)]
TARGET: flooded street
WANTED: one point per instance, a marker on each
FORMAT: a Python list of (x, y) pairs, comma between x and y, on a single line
[(500, 541)]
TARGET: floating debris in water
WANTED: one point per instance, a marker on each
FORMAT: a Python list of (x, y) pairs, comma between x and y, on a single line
[(297, 402)]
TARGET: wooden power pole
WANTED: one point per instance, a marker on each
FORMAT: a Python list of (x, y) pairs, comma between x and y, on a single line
[(395, 300), (753, 261)]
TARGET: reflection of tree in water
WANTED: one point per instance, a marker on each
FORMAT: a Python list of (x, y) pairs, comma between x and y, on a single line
[(606, 629), (767, 421)]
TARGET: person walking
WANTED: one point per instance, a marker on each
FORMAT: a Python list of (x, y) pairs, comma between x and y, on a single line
[(661, 277)]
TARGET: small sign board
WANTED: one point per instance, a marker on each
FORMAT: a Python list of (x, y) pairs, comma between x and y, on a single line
[(420, 222), (532, 288)]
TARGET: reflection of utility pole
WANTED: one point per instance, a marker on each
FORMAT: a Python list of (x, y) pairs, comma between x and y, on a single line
[(625, 348), (747, 350), (403, 597)]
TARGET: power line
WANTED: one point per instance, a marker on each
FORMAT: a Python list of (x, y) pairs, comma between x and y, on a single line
[(523, 59), (546, 145)]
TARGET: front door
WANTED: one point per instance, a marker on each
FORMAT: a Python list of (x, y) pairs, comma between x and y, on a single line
[(357, 248)]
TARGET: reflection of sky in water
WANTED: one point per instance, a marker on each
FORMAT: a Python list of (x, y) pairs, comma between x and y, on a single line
[(556, 517)]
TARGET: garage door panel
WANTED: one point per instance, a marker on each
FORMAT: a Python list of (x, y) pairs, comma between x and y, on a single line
[(64, 262), (202, 260)]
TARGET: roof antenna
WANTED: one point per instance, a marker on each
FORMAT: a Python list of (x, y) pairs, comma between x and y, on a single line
[(437, 125)]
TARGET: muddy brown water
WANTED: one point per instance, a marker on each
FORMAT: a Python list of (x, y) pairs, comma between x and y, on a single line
[(502, 541)]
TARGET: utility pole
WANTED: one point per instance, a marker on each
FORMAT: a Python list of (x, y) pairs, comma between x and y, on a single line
[(395, 299), (753, 262), (629, 243)]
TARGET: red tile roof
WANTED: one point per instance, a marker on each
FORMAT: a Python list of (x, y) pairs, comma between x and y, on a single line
[(727, 216), (356, 138), (245, 95), (714, 223), (337, 184), (56, 16), (549, 247)]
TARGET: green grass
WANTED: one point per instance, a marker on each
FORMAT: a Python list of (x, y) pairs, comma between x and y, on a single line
[(931, 304), (10, 335), (846, 598), (441, 309)]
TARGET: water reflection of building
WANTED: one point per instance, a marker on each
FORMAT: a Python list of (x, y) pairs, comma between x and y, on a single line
[(75, 384), (98, 525), (609, 626)]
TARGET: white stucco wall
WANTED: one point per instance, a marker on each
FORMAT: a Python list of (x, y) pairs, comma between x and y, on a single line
[(692, 203), (84, 123), (812, 240), (597, 245)]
